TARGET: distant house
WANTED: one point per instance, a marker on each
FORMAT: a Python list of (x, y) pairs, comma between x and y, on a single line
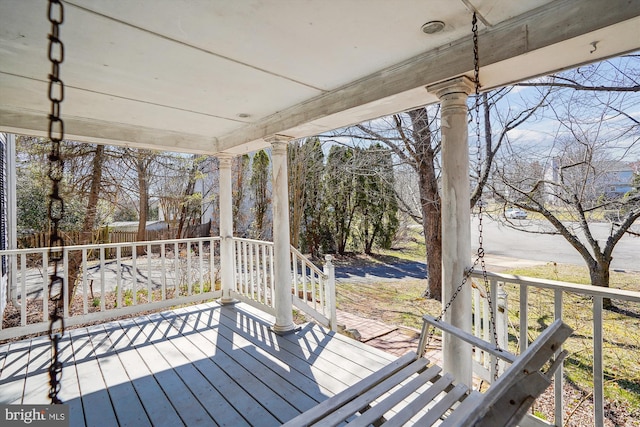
[(613, 180), (618, 182)]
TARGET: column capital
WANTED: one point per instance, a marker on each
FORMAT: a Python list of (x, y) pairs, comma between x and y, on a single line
[(278, 140), (461, 84), (225, 159)]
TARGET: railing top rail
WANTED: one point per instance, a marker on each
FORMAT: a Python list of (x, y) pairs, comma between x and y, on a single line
[(109, 245), (254, 241), (307, 262), (616, 294)]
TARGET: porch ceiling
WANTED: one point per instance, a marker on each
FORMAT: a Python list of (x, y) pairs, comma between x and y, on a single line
[(206, 77)]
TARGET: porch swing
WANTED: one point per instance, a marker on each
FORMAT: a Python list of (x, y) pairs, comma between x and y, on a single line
[(413, 390), (407, 388)]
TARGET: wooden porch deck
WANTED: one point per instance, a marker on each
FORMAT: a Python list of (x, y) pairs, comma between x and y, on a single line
[(200, 365)]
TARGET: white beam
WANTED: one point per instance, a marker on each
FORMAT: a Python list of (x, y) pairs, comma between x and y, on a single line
[(96, 131), (523, 47)]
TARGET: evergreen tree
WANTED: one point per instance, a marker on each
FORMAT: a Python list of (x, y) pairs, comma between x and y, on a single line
[(259, 184), (340, 194), (377, 207)]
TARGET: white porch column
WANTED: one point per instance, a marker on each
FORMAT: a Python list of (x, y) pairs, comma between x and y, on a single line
[(456, 223), (226, 229), (281, 245)]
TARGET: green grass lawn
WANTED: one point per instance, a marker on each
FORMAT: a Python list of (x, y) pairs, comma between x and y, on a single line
[(621, 346), (400, 302)]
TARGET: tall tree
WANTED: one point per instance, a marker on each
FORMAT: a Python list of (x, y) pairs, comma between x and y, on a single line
[(596, 130), (84, 165), (315, 206), (259, 184), (339, 193), (142, 163), (377, 207), (414, 139), (240, 171), (89, 223), (191, 202), (296, 156), (306, 169)]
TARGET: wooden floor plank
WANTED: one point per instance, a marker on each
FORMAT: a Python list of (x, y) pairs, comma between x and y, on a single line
[(315, 365), (159, 408), (126, 403), (70, 387), (237, 373), (318, 338), (328, 340), (4, 349), (243, 404), (243, 366), (97, 406), (187, 405), (278, 363), (199, 365), (14, 372), (36, 384), (327, 369)]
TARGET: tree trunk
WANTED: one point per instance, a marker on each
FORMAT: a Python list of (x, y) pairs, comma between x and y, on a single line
[(144, 202), (429, 200), (599, 274), (297, 159), (431, 225), (188, 192), (75, 260)]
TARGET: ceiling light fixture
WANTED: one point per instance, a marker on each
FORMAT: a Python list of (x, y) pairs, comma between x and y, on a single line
[(433, 27)]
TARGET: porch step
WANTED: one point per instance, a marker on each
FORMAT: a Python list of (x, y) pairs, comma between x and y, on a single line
[(391, 339)]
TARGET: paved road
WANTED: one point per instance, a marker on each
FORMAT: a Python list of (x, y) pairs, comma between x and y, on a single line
[(397, 270), (504, 241), (508, 247)]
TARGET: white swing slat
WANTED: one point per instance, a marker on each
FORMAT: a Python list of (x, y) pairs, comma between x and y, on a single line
[(433, 397), (376, 412)]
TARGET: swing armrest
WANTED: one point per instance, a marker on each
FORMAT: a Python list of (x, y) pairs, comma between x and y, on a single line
[(465, 336)]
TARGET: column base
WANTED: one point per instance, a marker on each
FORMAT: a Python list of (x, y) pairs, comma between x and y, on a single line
[(227, 301), (284, 330)]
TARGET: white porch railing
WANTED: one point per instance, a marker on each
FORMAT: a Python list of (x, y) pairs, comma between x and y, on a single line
[(485, 364), (168, 273), (313, 290), (521, 288), (157, 274), (254, 274)]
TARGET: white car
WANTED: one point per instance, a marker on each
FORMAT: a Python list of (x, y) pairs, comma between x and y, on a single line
[(515, 213)]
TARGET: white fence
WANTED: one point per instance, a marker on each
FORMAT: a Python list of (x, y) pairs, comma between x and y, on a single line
[(153, 275), (313, 290), (157, 274), (520, 296), (254, 275), (489, 310)]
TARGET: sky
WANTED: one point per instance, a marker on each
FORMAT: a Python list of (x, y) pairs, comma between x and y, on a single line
[(541, 132), (609, 127)]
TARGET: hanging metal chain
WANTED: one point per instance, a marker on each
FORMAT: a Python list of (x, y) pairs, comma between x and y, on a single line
[(480, 258), (56, 203)]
